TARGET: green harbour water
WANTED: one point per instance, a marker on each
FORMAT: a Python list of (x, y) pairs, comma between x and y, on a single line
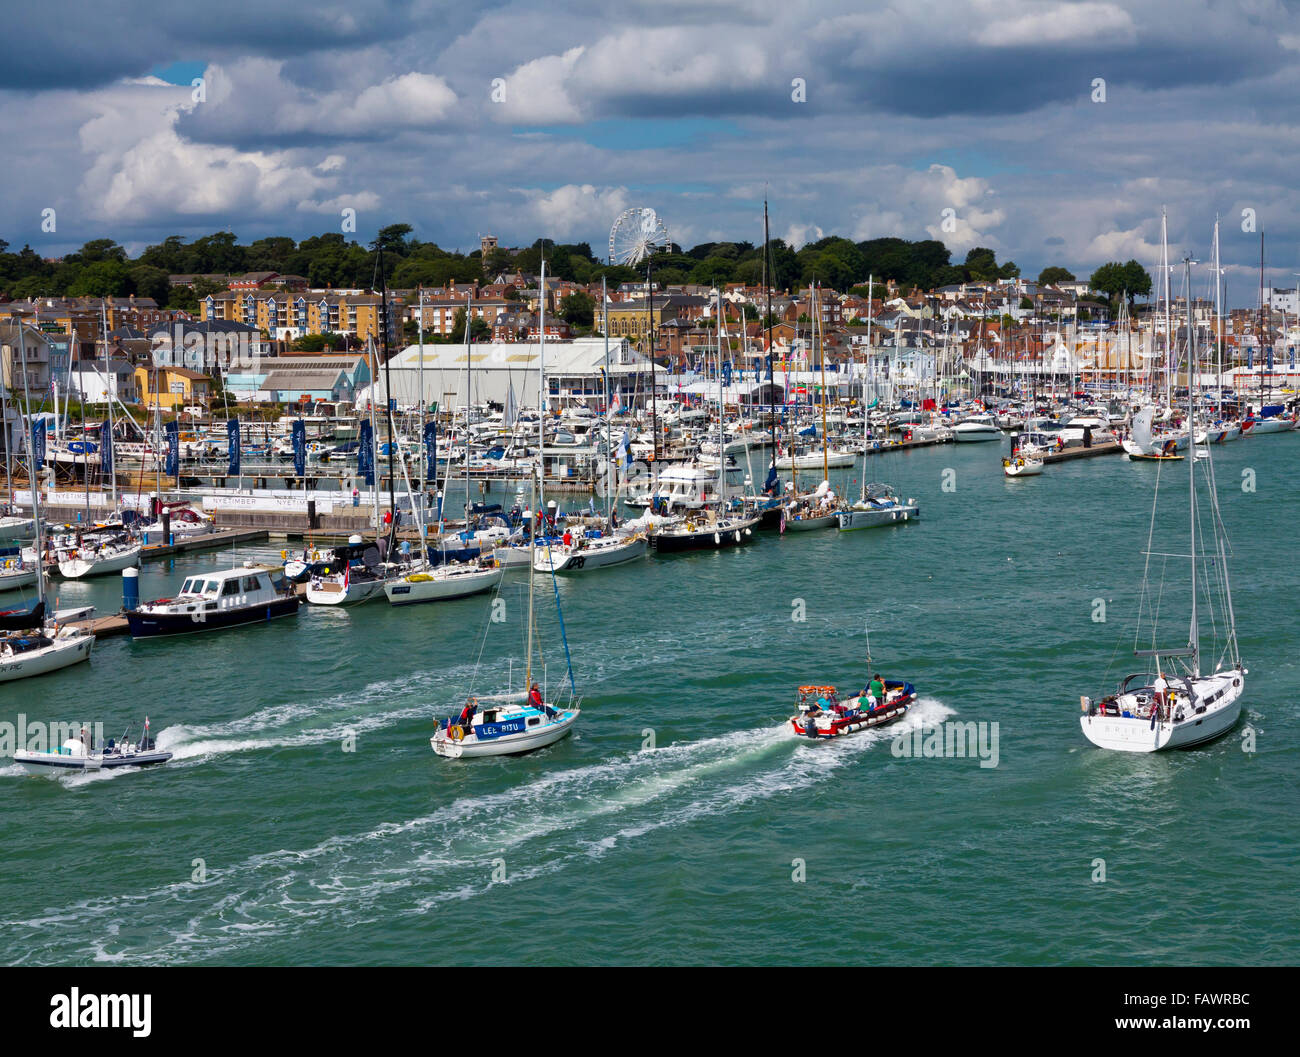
[(600, 849)]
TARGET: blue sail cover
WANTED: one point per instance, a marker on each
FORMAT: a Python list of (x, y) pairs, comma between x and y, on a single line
[(106, 448), (366, 454), (232, 446), (172, 463), (431, 450), (299, 430), (38, 445)]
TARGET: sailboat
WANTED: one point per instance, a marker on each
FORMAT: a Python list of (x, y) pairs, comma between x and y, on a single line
[(714, 529), (1179, 707), (592, 549), (877, 504), (426, 582), (820, 508), (99, 559), (513, 724), (45, 647)]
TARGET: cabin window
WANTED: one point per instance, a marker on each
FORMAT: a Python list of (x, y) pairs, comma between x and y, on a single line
[(251, 583), (187, 588), (211, 587), (231, 587)]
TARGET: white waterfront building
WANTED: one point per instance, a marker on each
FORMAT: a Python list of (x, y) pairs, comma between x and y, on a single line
[(574, 374)]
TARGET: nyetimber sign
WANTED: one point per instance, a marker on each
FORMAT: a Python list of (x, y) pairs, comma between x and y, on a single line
[(76, 1010)]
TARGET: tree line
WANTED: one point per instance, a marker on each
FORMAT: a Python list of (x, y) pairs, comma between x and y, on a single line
[(102, 268)]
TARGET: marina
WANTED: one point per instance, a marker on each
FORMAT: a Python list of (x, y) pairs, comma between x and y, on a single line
[(822, 590), (751, 775)]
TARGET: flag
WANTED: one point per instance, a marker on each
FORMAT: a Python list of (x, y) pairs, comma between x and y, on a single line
[(172, 463), (625, 450), (615, 404), (106, 448), (232, 446), (299, 446), (366, 454), (38, 446), (431, 450)]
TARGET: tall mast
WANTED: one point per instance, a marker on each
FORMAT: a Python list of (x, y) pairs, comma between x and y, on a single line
[(1169, 308), (31, 465), (1218, 314), (871, 281), (388, 398), (826, 456), (109, 396), (1195, 639), (722, 456), (424, 461), (609, 424), (541, 467), (771, 381), (469, 396), (1263, 325)]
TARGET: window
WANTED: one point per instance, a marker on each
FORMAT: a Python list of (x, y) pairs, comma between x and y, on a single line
[(187, 588), (251, 583), (231, 587), (211, 587)]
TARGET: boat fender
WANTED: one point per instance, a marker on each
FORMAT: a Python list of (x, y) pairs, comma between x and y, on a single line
[(717, 539), (737, 534), (749, 532)]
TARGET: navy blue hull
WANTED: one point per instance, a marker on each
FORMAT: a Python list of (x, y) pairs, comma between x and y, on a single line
[(151, 625)]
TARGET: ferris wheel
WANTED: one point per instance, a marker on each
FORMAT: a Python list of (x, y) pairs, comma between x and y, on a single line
[(636, 235)]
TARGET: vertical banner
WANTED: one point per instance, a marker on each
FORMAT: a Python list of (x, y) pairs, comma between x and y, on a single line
[(299, 447), (172, 464), (106, 448), (232, 446), (38, 446), (366, 454), (431, 451)]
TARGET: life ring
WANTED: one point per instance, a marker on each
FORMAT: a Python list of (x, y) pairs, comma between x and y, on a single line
[(456, 732)]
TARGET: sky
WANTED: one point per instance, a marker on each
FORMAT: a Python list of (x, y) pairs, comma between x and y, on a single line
[(1053, 132)]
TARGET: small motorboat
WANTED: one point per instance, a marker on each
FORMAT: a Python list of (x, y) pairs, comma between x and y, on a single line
[(509, 729), (1022, 466), (79, 754), (821, 714)]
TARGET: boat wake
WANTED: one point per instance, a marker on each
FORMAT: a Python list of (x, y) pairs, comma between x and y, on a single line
[(545, 826)]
